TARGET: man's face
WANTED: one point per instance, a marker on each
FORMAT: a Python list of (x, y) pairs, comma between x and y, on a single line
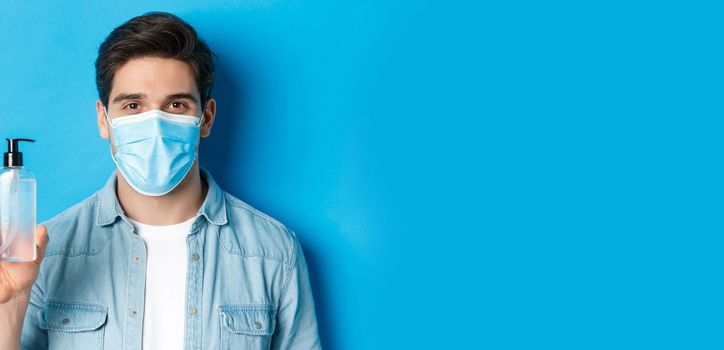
[(147, 83)]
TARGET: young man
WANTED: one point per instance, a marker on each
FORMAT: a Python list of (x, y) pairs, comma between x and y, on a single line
[(161, 257)]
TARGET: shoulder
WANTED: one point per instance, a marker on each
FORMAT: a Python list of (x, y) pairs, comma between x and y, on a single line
[(69, 232), (250, 232)]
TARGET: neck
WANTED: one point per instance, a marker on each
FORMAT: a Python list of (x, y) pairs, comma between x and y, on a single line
[(179, 205)]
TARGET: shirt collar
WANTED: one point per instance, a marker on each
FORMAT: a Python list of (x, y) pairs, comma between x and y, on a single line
[(213, 208)]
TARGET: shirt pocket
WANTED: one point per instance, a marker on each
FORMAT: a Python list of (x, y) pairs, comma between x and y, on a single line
[(73, 325), (248, 326)]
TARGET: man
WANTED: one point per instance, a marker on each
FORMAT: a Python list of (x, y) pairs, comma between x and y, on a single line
[(161, 257)]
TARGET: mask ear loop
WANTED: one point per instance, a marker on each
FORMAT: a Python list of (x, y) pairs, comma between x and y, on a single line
[(108, 124), (201, 119), (109, 127)]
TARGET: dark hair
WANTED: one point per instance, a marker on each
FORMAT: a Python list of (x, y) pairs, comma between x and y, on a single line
[(154, 34)]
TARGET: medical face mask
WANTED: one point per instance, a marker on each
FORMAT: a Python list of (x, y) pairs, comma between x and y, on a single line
[(154, 149)]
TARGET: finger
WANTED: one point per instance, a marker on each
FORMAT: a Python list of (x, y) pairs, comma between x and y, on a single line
[(41, 239)]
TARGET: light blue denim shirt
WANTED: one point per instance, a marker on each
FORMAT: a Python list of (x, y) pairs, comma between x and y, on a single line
[(247, 280)]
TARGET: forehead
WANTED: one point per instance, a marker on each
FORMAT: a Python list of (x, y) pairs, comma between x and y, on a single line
[(156, 77)]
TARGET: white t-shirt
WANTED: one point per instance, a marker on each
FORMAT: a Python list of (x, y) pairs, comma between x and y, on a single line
[(165, 300)]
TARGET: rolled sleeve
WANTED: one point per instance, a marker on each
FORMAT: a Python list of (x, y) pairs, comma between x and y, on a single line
[(296, 318), (33, 337)]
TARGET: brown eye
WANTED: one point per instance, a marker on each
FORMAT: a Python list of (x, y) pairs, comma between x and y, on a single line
[(177, 106), (132, 106)]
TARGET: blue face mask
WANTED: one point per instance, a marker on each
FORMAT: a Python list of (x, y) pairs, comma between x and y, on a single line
[(154, 149)]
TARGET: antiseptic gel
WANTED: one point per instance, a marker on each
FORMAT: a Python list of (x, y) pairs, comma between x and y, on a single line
[(17, 206)]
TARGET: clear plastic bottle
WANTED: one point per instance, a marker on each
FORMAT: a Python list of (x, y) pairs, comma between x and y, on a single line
[(17, 206)]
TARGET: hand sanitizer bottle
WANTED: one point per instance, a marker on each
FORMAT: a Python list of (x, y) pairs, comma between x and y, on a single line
[(17, 206)]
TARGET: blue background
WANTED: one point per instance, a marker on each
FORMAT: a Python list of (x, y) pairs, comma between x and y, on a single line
[(461, 174)]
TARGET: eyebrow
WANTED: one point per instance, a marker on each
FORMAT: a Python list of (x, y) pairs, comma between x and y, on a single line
[(183, 96), (122, 96), (141, 96)]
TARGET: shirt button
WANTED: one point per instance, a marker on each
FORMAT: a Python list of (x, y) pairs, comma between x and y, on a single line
[(66, 321), (192, 310), (134, 312), (136, 258), (194, 257), (257, 325)]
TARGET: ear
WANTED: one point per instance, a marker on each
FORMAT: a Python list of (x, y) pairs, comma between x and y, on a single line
[(209, 116), (102, 124)]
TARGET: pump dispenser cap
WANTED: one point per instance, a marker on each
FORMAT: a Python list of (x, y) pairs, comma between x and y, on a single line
[(13, 157)]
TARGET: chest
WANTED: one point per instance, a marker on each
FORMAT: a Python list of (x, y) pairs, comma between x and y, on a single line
[(220, 299)]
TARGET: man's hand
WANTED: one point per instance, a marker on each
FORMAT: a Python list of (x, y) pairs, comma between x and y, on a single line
[(17, 278)]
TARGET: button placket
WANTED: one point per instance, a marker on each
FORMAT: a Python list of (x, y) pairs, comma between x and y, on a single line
[(135, 290), (194, 244)]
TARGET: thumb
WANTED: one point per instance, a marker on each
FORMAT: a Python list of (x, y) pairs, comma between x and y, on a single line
[(41, 242)]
